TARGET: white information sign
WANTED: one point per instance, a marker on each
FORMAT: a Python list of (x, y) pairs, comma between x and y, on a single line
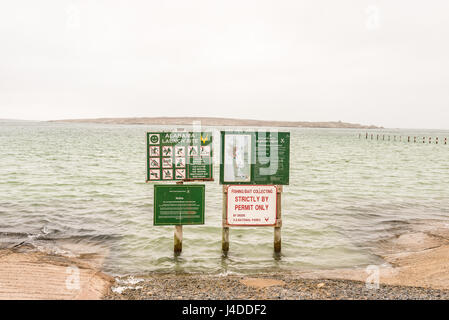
[(251, 205)]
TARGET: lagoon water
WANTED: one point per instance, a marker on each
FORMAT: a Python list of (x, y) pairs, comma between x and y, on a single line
[(80, 188)]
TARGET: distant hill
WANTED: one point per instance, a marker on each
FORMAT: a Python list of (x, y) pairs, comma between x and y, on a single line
[(14, 120), (208, 121)]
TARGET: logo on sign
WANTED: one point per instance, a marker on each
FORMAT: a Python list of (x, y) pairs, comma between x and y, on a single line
[(154, 139)]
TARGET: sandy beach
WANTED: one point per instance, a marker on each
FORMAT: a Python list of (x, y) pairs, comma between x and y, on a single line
[(416, 267), (29, 275)]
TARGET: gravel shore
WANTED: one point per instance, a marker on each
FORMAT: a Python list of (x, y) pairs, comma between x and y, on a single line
[(416, 268), (264, 287)]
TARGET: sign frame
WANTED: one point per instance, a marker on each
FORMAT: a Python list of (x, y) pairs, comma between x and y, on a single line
[(173, 146), (276, 218)]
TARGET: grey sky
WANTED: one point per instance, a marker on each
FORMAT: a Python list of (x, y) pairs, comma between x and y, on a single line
[(372, 62)]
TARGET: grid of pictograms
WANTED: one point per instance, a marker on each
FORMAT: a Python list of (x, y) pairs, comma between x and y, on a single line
[(168, 161)]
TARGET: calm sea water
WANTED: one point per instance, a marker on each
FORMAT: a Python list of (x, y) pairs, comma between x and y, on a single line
[(80, 188)]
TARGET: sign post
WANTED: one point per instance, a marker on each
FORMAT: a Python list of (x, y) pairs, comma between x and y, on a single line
[(253, 168), (252, 206), (179, 156), (178, 205), (177, 247), (225, 236), (177, 239), (278, 226)]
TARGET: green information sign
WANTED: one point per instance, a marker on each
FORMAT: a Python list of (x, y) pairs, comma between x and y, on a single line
[(261, 157), (178, 204), (179, 156)]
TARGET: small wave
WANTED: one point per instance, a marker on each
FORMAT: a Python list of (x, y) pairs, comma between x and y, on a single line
[(121, 289), (126, 283), (227, 273), (129, 280)]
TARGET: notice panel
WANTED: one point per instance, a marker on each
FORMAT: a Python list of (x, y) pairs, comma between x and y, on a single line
[(251, 158), (178, 204), (251, 205)]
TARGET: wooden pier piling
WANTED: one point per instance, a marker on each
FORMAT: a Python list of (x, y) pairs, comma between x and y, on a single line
[(409, 138)]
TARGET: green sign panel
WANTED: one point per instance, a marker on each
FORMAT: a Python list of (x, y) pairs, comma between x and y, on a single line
[(178, 204), (179, 156), (255, 157)]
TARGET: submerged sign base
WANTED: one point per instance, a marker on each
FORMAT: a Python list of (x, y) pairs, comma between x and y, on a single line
[(251, 205), (178, 204)]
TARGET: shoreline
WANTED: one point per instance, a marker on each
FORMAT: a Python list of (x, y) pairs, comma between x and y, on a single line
[(416, 268), (265, 286), (210, 121)]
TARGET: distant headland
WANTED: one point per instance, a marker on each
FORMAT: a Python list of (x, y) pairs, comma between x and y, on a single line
[(209, 121)]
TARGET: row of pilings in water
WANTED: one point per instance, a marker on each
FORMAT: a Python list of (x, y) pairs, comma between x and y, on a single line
[(410, 139)]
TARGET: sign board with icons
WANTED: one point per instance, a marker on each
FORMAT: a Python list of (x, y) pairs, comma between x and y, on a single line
[(179, 156), (261, 157), (178, 204)]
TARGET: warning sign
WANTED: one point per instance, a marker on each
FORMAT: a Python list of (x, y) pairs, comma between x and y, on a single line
[(251, 205)]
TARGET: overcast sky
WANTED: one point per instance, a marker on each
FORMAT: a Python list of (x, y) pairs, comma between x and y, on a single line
[(371, 62)]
